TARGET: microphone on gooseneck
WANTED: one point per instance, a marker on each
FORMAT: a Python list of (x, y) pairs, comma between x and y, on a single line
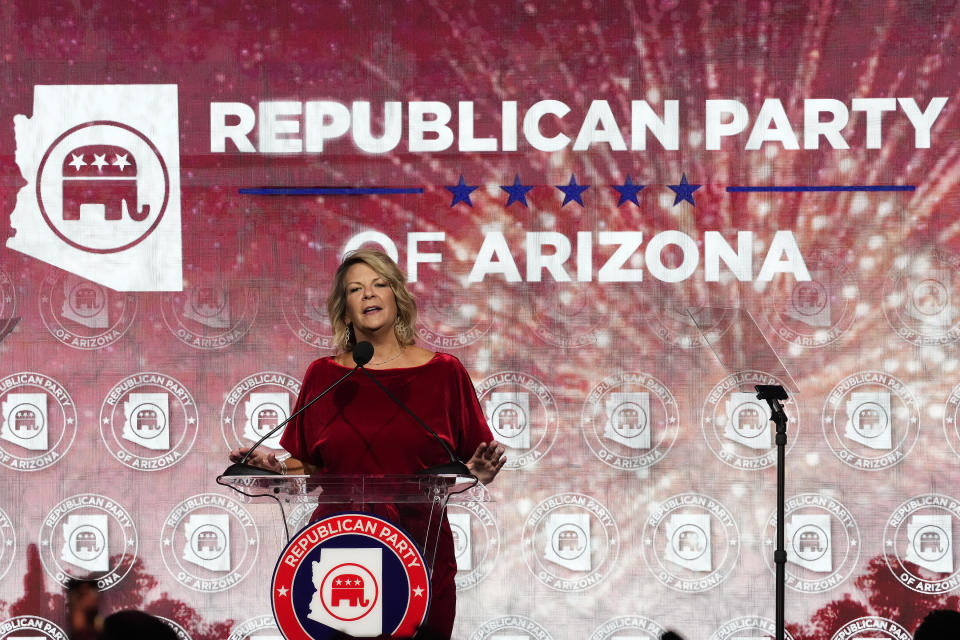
[(362, 354), (455, 466)]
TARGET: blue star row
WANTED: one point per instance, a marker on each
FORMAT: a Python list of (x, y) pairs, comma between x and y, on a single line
[(572, 192)]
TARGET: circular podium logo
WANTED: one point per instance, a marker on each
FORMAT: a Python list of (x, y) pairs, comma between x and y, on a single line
[(350, 573)]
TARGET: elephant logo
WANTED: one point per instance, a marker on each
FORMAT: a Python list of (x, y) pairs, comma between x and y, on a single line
[(102, 184), (105, 176), (349, 587)]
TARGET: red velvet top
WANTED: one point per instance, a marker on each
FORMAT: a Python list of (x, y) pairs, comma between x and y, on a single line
[(358, 429)]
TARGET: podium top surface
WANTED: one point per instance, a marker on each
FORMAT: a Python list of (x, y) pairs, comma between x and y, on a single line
[(334, 489)]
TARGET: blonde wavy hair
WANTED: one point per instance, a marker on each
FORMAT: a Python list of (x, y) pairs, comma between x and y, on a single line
[(386, 268)]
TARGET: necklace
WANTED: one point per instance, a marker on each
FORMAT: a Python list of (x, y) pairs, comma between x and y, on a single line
[(399, 353)]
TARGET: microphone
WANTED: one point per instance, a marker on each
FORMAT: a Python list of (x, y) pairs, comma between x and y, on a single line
[(455, 466), (362, 354)]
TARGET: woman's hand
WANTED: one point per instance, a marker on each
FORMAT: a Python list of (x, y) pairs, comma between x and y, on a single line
[(258, 459), (487, 461)]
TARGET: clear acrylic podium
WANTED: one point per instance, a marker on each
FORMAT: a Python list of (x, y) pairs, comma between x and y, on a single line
[(415, 503)]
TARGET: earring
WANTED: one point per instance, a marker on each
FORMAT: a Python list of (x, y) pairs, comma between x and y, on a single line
[(350, 337)]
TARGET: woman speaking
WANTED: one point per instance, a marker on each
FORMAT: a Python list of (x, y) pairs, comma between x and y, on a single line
[(360, 430)]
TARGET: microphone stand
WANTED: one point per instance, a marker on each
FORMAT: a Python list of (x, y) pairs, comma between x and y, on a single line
[(773, 394), (361, 355)]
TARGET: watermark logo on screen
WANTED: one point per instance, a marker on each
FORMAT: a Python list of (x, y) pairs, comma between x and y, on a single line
[(691, 542), (570, 542), (83, 314), (31, 628), (816, 312), (564, 314), (180, 632), (8, 543), (212, 314), (822, 542), (8, 298), (676, 328), (630, 420), (149, 421), (306, 315), (748, 628), (102, 199), (871, 627), (920, 298), (350, 573), (871, 420), (628, 628), (951, 419), (209, 542), (737, 426), (38, 421), (515, 627), (261, 627), (918, 543), (522, 413), (254, 406), (459, 313), (88, 536), (476, 542)]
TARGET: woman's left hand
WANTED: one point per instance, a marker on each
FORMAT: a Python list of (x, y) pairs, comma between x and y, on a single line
[(487, 461)]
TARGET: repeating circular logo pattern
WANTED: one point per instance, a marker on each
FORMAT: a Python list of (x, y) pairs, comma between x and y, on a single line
[(511, 627), (108, 176), (871, 627), (748, 627), (676, 328), (522, 414), (250, 628), (816, 312), (8, 297), (920, 299), (918, 543), (822, 541), (38, 421), (456, 316), (636, 627), (8, 543), (871, 420), (85, 315), (298, 515), (88, 536), (564, 314), (306, 315), (31, 627), (476, 542), (691, 542), (254, 406), (177, 629), (951, 419), (570, 542), (212, 314), (737, 426), (209, 542), (149, 421), (630, 420)]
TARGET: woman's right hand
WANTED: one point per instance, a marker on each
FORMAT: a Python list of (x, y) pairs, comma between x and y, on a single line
[(258, 459)]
